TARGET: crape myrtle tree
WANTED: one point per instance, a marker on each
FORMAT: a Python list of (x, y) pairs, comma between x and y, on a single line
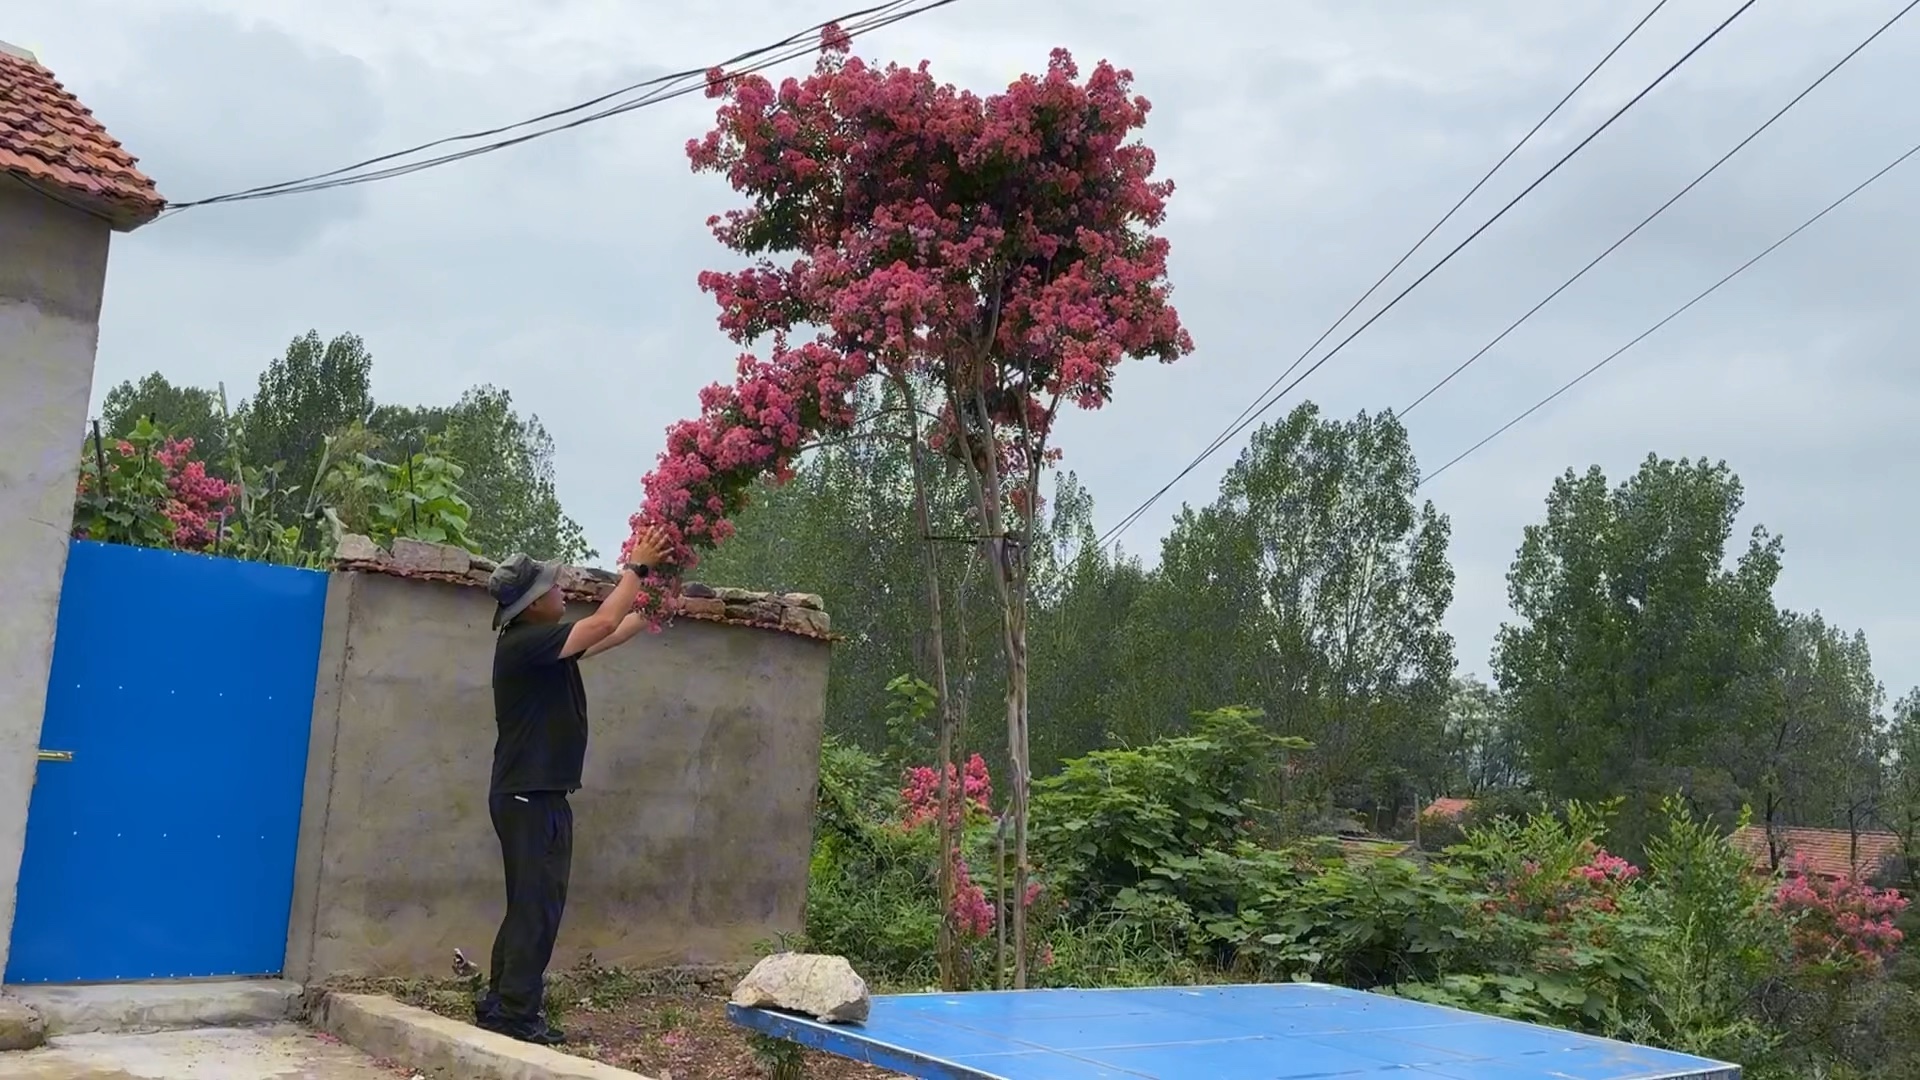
[(998, 249)]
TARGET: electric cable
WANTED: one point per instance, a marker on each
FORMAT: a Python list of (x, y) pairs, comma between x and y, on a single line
[(1661, 209), (1271, 399), (853, 24), (1676, 313), (1444, 218)]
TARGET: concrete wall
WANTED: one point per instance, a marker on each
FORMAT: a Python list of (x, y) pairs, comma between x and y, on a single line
[(693, 830), (53, 268)]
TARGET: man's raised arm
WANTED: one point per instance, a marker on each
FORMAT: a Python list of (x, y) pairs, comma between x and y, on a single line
[(628, 629), (607, 620)]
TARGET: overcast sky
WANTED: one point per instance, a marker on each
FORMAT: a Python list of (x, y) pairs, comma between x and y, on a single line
[(1311, 143)]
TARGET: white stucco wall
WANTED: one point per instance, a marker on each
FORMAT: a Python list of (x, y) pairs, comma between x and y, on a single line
[(53, 267)]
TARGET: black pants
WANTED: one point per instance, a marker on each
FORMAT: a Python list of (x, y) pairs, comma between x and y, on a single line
[(536, 844)]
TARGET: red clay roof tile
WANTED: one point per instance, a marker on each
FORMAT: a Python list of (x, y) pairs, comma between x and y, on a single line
[(1448, 809), (1829, 853), (49, 139)]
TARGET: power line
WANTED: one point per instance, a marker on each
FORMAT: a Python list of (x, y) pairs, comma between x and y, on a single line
[(1662, 208), (1676, 313), (1273, 397), (801, 43), (1444, 218)]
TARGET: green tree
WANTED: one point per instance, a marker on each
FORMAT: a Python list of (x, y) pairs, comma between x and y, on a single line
[(1809, 754), (186, 412), (509, 470), (1313, 588), (1899, 808), (1081, 600), (1637, 650), (312, 391), (1479, 750)]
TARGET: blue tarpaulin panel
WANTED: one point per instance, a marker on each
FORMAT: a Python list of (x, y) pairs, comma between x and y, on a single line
[(182, 686), (1286, 1031)]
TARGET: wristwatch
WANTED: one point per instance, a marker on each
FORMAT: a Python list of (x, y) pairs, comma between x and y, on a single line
[(640, 570)]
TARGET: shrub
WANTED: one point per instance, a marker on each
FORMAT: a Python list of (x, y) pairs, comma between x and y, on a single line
[(1119, 819), (1847, 922), (148, 490)]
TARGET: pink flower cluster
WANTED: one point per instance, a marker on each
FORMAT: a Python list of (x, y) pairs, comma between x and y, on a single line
[(198, 499), (920, 792), (1002, 246), (1847, 921), (194, 501), (1605, 868), (1594, 885), (972, 914)]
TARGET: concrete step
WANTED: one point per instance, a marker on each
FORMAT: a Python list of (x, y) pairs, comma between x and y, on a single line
[(161, 1006)]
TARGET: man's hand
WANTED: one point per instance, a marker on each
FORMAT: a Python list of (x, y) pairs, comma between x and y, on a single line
[(649, 547)]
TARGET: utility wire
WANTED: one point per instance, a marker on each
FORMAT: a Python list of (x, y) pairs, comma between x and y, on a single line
[(1273, 397), (1676, 313), (1662, 208), (1444, 218), (854, 24)]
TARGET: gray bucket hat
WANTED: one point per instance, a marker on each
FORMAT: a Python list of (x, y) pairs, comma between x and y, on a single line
[(516, 583)]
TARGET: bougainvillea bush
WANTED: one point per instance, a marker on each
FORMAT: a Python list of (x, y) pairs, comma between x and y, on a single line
[(997, 247)]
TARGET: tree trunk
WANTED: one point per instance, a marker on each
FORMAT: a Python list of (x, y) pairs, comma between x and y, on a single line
[(1015, 634), (945, 943)]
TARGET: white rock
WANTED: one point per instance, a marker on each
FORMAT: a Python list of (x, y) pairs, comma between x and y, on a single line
[(354, 547), (823, 987), (21, 1028)]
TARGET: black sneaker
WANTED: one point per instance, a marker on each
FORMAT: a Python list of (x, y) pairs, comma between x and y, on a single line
[(546, 1034), (537, 1032)]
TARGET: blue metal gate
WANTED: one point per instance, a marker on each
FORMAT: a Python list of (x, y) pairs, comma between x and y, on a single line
[(182, 687)]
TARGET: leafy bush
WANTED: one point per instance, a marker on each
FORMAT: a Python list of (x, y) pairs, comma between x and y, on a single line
[(871, 893), (1160, 869), (1118, 819), (148, 490)]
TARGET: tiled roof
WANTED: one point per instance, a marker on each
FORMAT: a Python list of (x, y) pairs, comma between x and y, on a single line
[(1448, 809), (51, 141), (1829, 853)]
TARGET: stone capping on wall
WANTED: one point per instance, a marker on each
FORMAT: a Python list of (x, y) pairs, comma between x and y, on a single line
[(793, 613)]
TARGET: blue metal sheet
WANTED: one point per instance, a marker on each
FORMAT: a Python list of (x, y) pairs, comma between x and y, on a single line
[(1285, 1031), (183, 686)]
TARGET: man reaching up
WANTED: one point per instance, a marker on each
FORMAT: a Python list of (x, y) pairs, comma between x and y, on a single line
[(540, 708)]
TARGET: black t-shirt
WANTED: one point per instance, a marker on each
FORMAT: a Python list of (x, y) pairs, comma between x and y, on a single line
[(541, 709)]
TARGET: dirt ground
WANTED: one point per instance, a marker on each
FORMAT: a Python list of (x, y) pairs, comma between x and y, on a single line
[(667, 1025)]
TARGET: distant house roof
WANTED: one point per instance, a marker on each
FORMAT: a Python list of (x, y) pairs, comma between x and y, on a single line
[(1448, 809), (50, 141), (1829, 853)]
